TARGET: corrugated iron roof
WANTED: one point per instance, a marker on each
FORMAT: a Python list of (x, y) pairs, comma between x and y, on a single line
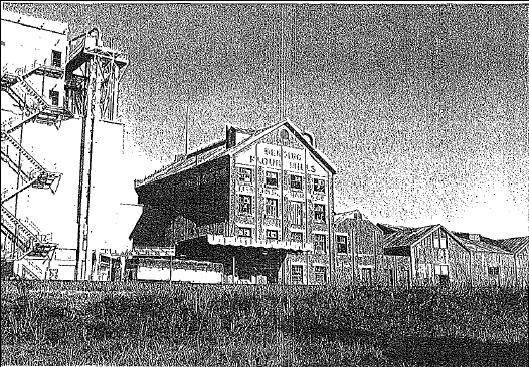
[(482, 246), (218, 149), (514, 245), (408, 236)]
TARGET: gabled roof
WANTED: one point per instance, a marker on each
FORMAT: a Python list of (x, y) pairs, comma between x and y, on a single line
[(389, 228), (183, 162), (403, 237), (510, 245), (514, 245), (218, 148), (408, 236), (353, 214), (340, 218)]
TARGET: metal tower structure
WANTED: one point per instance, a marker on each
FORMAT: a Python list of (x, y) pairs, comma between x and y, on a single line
[(92, 74)]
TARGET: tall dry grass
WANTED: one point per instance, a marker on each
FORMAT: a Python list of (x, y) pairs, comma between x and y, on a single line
[(179, 324)]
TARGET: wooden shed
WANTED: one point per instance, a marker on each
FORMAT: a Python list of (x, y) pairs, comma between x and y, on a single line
[(518, 247), (429, 255), (359, 254), (490, 264)]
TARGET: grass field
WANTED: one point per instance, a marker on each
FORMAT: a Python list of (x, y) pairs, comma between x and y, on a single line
[(206, 325)]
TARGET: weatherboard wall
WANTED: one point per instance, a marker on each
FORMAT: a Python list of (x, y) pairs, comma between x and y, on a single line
[(522, 264), (491, 268), (362, 262), (282, 153)]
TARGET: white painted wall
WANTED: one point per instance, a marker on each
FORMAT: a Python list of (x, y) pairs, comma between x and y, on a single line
[(182, 275), (58, 150)]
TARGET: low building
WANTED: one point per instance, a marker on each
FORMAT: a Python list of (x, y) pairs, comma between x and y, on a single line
[(518, 247), (490, 265), (359, 254), (258, 202), (429, 255)]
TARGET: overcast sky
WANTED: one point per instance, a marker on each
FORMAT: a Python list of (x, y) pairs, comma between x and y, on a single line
[(422, 108)]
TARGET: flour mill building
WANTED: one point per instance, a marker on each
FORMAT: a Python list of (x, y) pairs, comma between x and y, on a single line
[(257, 204)]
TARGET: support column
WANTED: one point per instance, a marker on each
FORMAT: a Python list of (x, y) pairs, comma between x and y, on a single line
[(111, 267), (233, 269), (122, 263), (91, 114), (170, 269)]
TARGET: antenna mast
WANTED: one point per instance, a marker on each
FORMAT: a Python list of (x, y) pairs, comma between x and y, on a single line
[(187, 128)]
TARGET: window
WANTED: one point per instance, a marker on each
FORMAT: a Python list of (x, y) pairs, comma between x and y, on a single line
[(297, 274), (56, 58), (271, 179), (494, 270), (272, 234), (366, 275), (319, 212), (441, 269), (320, 274), (341, 242), (245, 204), (244, 232), (297, 213), (271, 208), (296, 182), (319, 185), (319, 242), (443, 240), (245, 175), (435, 237), (297, 237), (54, 97), (54, 274)]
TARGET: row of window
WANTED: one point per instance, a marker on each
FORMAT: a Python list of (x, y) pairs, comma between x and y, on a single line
[(272, 211), (320, 240), (272, 180), (296, 214), (320, 274)]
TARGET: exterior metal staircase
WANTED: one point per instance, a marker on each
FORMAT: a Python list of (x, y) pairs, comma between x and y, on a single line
[(32, 173), (24, 245), (26, 242)]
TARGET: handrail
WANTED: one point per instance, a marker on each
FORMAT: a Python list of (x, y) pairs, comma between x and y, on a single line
[(23, 151), (8, 218)]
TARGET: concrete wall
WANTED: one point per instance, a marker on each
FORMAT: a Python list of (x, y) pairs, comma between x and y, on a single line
[(178, 275), (58, 150)]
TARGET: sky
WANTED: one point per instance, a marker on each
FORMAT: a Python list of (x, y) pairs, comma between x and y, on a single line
[(422, 108)]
